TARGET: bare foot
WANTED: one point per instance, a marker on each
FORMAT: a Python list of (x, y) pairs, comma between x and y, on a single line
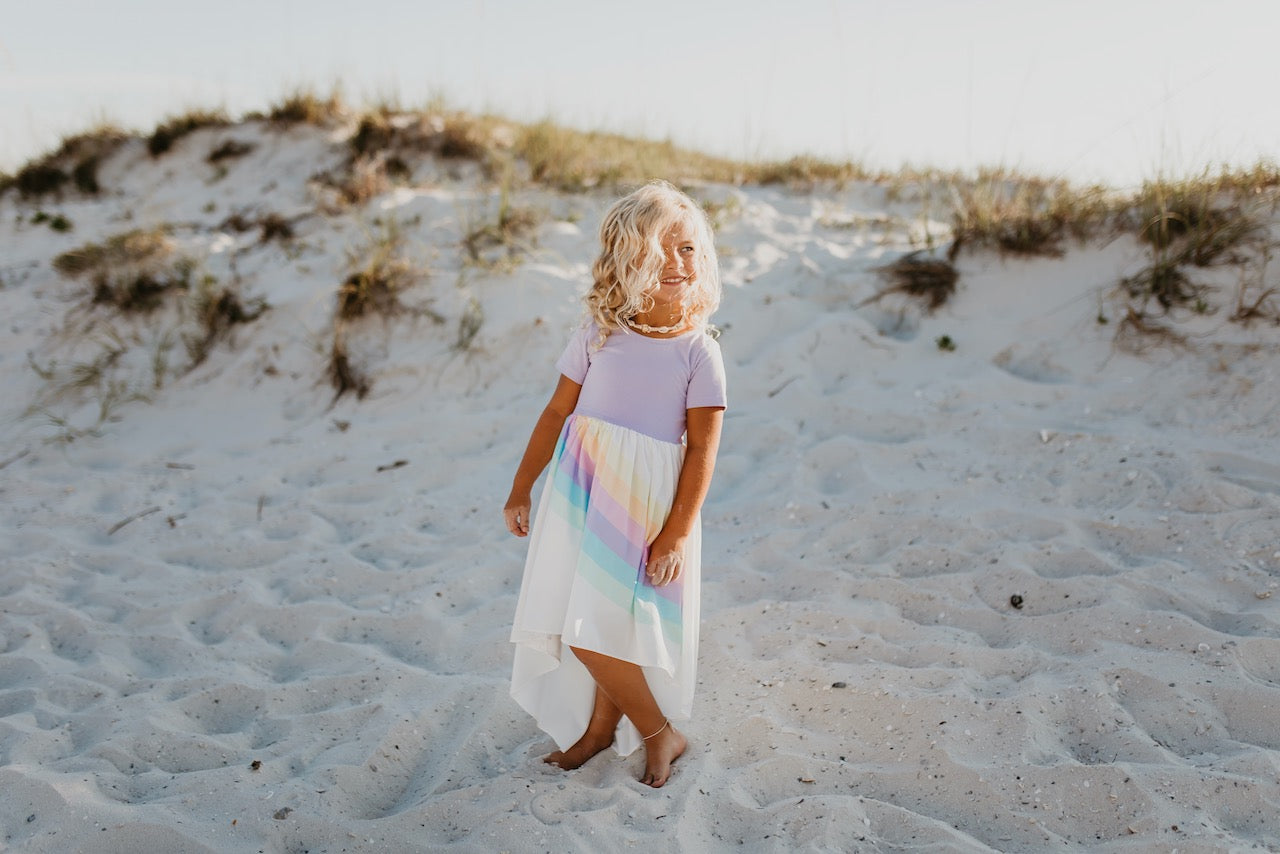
[(583, 749), (659, 753)]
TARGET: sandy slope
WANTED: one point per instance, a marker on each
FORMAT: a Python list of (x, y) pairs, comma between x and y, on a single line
[(866, 682)]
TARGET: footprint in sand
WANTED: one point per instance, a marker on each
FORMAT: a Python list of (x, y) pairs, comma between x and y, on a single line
[(1035, 365)]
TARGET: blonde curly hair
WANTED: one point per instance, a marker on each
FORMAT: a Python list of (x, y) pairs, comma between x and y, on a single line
[(631, 258)]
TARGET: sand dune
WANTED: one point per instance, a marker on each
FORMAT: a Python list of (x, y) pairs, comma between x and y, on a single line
[(1015, 597)]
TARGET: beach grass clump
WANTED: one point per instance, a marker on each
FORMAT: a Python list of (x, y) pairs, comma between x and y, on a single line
[(1165, 282), (387, 143), (39, 179), (131, 247), (575, 161), (804, 172), (74, 162), (306, 106), (175, 128), (449, 134), (374, 132), (360, 181), (131, 272), (85, 176), (500, 241), (928, 280), (343, 375), (1206, 216), (216, 309), (1197, 222), (1203, 220), (379, 273), (467, 137), (1022, 216)]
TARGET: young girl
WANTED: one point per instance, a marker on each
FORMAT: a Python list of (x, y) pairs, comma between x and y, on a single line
[(606, 628)]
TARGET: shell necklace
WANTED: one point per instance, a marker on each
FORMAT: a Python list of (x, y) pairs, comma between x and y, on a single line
[(659, 330)]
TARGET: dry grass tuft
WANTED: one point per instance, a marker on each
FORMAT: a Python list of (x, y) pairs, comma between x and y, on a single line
[(574, 160), (76, 160), (1197, 222), (133, 247), (38, 179), (217, 309), (131, 271), (343, 376), (804, 172), (930, 281), (374, 133), (305, 106), (380, 272), (385, 143), (501, 241), (1202, 220), (466, 137), (1163, 281), (175, 128), (1023, 216)]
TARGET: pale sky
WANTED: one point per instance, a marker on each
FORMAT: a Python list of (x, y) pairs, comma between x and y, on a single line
[(1114, 90)]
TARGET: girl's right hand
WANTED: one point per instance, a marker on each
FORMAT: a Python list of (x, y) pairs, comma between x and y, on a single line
[(516, 515)]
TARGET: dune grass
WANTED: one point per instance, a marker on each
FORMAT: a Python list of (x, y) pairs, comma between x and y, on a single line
[(306, 106), (929, 281), (174, 128), (1185, 223), (131, 271), (380, 271), (74, 163)]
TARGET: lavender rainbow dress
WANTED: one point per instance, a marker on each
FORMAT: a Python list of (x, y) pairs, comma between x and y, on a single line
[(610, 486)]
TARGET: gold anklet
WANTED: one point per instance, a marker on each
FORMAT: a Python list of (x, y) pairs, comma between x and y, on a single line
[(665, 723)]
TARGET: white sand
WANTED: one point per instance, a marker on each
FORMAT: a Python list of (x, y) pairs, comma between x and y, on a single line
[(866, 684)]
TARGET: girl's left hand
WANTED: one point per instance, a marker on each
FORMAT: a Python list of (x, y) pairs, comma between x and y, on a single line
[(666, 560)]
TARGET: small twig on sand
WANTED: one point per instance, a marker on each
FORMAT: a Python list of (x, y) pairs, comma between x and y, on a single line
[(136, 516), (785, 383), (389, 466), (182, 466), (15, 457), (262, 499)]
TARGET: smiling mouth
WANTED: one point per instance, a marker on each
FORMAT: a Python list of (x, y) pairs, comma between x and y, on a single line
[(674, 280)]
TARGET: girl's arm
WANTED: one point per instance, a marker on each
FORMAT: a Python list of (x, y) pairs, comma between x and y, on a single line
[(702, 440), (542, 444)]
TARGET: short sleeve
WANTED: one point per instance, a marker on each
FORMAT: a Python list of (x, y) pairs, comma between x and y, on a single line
[(707, 385), (575, 359)]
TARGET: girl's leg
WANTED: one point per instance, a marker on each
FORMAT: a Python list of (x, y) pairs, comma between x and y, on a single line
[(599, 735), (625, 685)]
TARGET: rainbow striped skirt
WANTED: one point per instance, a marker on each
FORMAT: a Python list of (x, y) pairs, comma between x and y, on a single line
[(607, 495)]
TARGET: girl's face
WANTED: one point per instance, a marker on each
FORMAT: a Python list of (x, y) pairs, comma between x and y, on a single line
[(680, 265)]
